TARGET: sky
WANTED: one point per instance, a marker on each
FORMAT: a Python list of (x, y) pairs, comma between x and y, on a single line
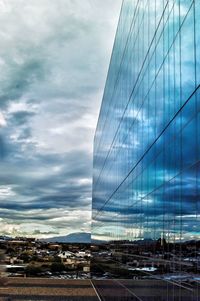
[(54, 58)]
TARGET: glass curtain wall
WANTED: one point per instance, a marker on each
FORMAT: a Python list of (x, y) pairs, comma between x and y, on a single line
[(146, 183)]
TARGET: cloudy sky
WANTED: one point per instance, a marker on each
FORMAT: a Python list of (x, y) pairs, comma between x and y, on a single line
[(54, 57)]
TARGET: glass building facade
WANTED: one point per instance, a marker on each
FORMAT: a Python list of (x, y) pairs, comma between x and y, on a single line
[(146, 182)]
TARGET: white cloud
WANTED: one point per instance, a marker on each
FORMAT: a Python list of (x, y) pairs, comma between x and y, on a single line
[(2, 120), (57, 221), (6, 191)]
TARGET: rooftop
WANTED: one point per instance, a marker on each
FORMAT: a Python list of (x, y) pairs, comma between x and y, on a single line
[(40, 289), (15, 289)]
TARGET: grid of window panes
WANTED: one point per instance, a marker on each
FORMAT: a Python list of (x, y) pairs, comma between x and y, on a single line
[(147, 143)]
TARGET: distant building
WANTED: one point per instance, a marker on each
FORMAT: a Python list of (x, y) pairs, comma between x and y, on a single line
[(146, 176), (147, 142), (66, 255)]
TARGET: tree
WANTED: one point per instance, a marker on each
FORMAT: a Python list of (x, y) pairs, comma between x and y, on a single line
[(32, 270), (57, 267), (25, 257)]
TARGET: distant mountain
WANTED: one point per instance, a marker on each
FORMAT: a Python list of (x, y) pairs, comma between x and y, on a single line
[(78, 237)]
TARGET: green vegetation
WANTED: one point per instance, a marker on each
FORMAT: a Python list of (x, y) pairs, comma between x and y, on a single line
[(57, 267), (33, 270)]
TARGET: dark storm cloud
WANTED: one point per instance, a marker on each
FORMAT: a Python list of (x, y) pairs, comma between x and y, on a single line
[(22, 77), (52, 189), (21, 117)]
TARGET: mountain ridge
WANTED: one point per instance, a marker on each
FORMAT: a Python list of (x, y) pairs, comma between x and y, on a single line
[(76, 237)]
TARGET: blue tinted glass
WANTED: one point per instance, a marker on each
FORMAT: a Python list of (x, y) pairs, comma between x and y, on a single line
[(147, 145)]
